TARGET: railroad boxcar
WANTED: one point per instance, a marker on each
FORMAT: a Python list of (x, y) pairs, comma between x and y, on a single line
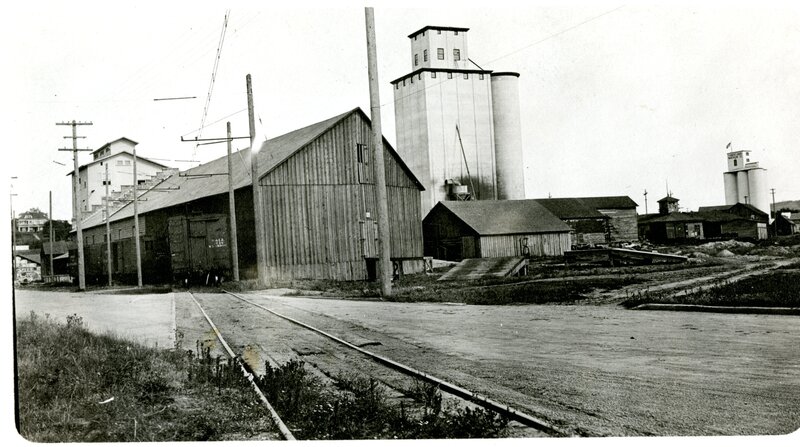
[(199, 249)]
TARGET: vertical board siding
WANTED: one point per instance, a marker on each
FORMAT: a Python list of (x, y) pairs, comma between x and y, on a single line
[(540, 244), (315, 205)]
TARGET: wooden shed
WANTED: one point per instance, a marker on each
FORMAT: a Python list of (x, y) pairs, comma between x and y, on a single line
[(455, 230), (318, 198), (589, 226)]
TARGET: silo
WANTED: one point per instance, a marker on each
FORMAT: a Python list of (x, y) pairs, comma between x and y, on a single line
[(731, 191), (757, 183), (510, 167), (742, 187)]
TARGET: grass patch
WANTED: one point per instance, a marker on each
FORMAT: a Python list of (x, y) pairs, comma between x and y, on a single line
[(513, 291), (75, 386), (357, 407), (774, 289), (67, 377)]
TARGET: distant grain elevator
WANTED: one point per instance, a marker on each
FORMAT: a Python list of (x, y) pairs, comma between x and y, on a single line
[(746, 182)]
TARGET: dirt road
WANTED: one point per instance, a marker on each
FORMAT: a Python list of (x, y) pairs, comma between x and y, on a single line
[(591, 370)]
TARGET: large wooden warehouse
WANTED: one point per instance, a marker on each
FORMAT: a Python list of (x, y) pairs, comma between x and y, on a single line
[(318, 199), (455, 230)]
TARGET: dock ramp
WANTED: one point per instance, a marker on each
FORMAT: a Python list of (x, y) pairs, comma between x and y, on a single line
[(476, 268), (620, 256)]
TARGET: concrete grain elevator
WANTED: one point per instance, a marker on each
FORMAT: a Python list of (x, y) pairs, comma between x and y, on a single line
[(458, 125), (746, 182)]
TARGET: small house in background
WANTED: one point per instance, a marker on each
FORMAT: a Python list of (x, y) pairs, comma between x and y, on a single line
[(61, 266), (28, 266), (785, 226), (621, 211), (31, 221), (456, 230)]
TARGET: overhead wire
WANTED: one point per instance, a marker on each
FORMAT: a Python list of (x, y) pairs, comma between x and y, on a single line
[(213, 75)]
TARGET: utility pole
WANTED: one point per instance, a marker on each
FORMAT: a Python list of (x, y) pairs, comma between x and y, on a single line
[(645, 201), (384, 245), (108, 230), (75, 191), (232, 213), (774, 211), (261, 255), (13, 236), (50, 214), (136, 221)]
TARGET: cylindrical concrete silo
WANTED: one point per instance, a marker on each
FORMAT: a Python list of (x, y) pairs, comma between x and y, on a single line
[(510, 167), (757, 183), (731, 191), (742, 187)]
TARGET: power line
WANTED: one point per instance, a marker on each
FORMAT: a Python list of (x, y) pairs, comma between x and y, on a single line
[(214, 72)]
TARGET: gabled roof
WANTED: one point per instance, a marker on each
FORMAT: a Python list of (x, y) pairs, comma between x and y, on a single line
[(59, 247), (497, 217), (112, 142), (669, 199), (33, 215), (728, 208), (671, 217), (205, 180), (30, 255), (139, 159), (571, 208), (609, 202)]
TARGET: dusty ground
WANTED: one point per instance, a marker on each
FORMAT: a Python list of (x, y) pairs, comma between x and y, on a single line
[(592, 370)]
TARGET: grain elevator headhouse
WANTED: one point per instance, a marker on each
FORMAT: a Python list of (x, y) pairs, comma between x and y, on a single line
[(458, 124)]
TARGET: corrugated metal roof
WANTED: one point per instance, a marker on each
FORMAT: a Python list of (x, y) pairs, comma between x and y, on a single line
[(571, 208), (495, 217), (272, 153)]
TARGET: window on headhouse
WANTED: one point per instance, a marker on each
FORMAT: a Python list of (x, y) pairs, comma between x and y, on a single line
[(416, 60), (424, 55), (362, 156), (438, 31), (456, 33), (433, 74), (449, 75), (734, 162), (466, 75), (456, 54), (440, 54), (480, 76)]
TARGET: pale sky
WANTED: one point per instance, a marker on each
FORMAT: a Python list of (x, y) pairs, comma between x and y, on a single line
[(615, 98)]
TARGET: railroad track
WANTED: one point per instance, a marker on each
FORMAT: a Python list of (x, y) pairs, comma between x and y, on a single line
[(378, 361)]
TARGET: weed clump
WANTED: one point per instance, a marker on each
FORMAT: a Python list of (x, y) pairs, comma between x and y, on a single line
[(358, 407)]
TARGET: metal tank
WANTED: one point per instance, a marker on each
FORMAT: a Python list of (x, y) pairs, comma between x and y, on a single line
[(742, 187), (731, 190), (757, 183), (510, 167)]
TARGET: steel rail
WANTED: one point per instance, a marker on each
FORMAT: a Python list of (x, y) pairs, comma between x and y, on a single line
[(463, 393), (287, 434)]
